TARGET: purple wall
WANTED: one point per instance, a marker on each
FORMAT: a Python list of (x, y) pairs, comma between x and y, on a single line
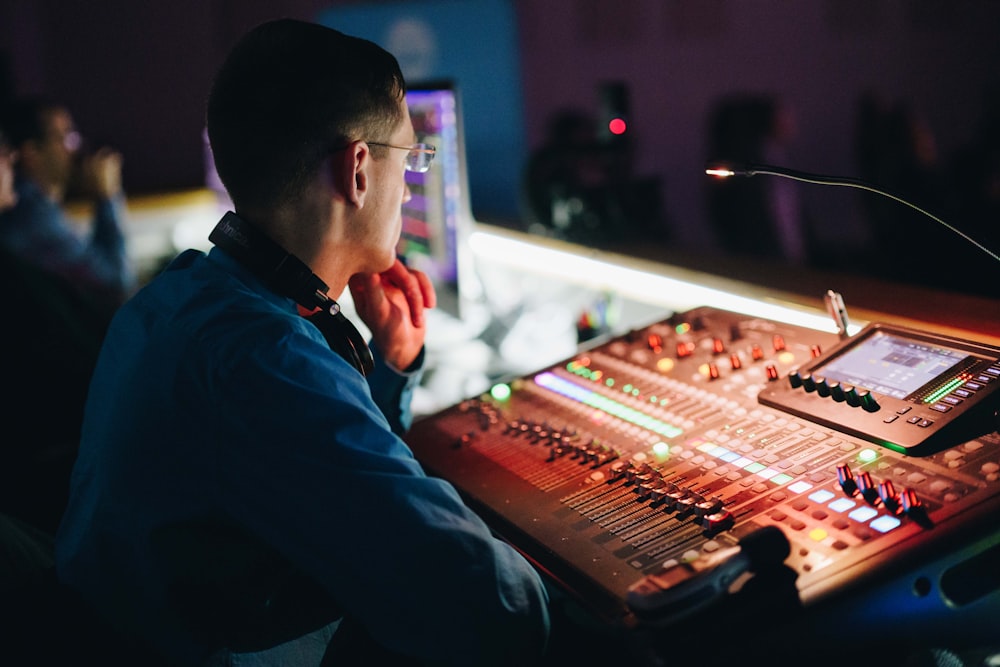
[(136, 75)]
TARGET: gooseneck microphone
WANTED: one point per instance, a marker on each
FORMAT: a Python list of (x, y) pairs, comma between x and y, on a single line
[(727, 170)]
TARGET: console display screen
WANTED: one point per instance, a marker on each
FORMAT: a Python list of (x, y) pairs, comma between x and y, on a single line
[(890, 364)]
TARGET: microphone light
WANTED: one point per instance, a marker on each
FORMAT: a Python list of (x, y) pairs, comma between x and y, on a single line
[(727, 170)]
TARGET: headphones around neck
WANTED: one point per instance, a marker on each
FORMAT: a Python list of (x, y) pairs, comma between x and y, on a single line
[(289, 276)]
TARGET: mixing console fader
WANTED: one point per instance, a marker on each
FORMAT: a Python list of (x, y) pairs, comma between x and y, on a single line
[(671, 444)]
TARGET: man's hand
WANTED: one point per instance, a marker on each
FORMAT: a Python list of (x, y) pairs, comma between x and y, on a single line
[(391, 304), (102, 174)]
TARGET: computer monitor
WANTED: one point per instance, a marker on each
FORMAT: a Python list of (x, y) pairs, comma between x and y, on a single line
[(438, 217)]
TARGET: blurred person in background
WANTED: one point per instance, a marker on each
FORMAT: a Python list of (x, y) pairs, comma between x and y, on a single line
[(60, 290), (37, 228)]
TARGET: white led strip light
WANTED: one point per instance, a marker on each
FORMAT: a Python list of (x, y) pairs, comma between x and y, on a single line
[(678, 295)]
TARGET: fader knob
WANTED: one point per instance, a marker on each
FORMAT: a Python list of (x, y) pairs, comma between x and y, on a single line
[(867, 488), (846, 480), (890, 500), (707, 506), (911, 504), (715, 523)]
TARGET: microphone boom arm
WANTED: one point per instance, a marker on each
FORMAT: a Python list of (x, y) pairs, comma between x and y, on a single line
[(724, 171)]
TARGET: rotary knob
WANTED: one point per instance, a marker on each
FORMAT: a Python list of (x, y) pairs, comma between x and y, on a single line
[(868, 402)]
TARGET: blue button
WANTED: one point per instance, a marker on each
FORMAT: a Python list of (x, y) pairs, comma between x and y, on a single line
[(821, 496), (863, 514), (842, 505), (885, 523)]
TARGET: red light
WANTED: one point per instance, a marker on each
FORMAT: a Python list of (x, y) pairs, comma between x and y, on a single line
[(617, 126)]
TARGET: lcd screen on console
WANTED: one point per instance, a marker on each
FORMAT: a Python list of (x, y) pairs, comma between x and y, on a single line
[(890, 364)]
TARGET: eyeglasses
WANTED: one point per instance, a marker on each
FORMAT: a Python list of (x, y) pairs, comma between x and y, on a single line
[(418, 158)]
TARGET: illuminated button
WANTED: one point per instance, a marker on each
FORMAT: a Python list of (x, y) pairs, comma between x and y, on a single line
[(820, 495), (973, 386), (939, 407), (984, 379), (685, 349), (735, 362), (718, 346), (665, 365), (817, 534), (841, 505), (964, 393), (756, 352), (655, 342), (885, 523), (867, 455), (952, 400), (802, 487), (863, 514), (815, 351), (779, 342)]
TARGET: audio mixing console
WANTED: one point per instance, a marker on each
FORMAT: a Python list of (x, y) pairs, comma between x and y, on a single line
[(876, 456)]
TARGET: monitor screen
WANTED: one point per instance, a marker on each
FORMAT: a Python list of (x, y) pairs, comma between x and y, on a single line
[(891, 364), (437, 218)]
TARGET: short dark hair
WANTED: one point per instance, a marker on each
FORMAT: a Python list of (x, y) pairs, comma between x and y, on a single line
[(290, 92)]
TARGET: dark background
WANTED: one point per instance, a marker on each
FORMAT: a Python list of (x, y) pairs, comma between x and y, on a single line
[(136, 75)]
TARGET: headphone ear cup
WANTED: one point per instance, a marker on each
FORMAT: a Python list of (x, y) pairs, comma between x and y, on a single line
[(344, 339)]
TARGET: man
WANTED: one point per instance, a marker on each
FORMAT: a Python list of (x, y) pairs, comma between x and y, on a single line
[(61, 292), (37, 229), (241, 484)]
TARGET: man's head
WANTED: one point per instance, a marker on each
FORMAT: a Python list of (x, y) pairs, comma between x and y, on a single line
[(43, 133), (290, 94)]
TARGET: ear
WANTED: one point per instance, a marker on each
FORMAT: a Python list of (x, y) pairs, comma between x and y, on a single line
[(350, 172)]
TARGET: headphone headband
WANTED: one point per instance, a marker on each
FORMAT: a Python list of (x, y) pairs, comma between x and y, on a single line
[(290, 277)]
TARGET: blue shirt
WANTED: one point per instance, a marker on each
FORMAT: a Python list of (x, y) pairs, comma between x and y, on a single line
[(213, 400), (37, 230)]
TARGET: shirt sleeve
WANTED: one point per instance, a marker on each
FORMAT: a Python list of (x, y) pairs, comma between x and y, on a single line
[(392, 390), (318, 472), (107, 242)]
